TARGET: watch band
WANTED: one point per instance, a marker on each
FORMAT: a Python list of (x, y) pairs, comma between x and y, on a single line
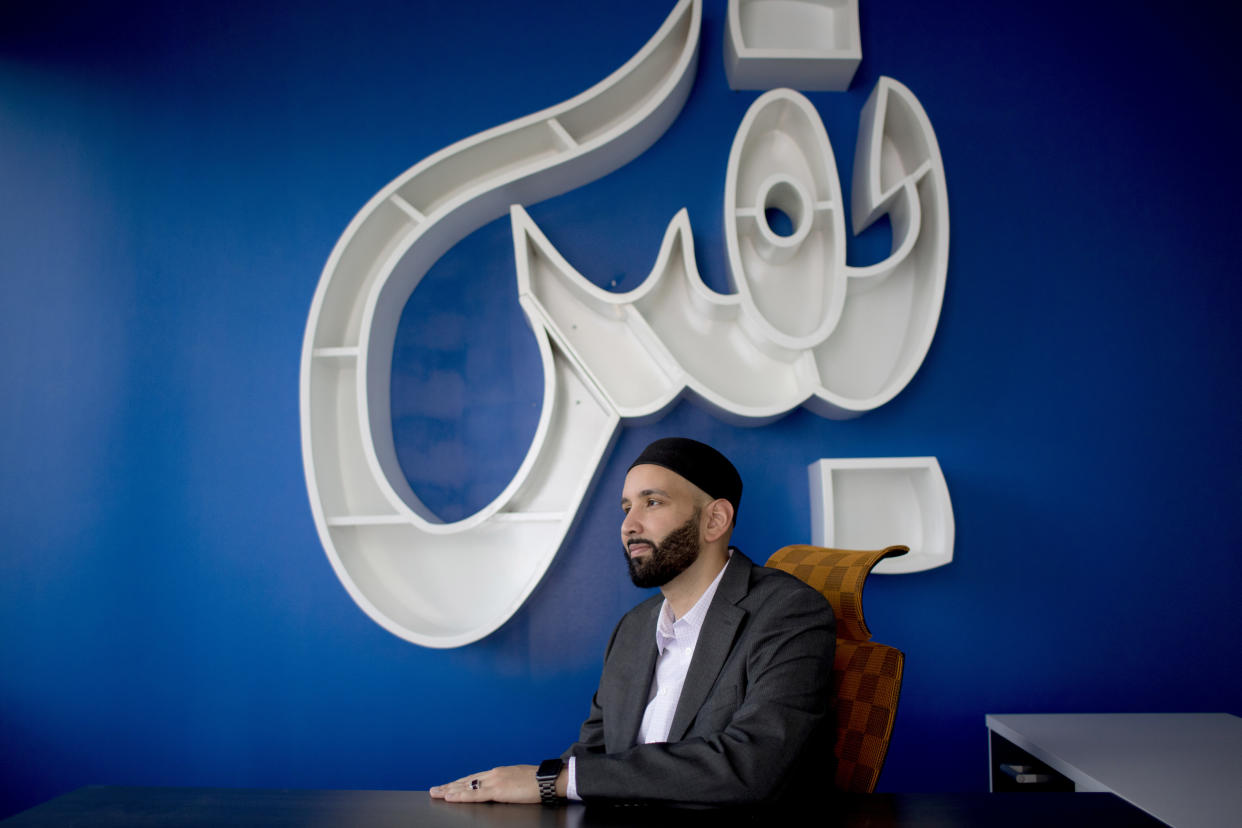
[(545, 776)]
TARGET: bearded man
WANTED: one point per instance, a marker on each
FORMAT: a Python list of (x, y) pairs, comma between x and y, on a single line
[(715, 691)]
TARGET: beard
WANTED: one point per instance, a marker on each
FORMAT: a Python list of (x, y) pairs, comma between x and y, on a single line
[(668, 559)]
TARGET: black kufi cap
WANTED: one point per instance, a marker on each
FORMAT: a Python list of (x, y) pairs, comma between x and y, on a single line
[(699, 463)]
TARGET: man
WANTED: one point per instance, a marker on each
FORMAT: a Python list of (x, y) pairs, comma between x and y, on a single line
[(715, 691)]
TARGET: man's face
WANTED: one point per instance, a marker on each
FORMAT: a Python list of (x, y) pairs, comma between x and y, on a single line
[(660, 532)]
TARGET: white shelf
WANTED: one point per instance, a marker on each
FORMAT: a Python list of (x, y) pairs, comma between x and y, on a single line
[(873, 503), (803, 327), (365, 520), (446, 584), (803, 44), (348, 352), (792, 286), (891, 307)]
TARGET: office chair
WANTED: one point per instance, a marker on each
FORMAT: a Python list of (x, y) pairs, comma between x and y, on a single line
[(866, 675)]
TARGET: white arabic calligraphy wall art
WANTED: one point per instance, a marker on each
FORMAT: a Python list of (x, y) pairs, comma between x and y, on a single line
[(609, 357)]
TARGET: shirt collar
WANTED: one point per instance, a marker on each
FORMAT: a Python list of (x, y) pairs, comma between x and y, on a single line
[(669, 629)]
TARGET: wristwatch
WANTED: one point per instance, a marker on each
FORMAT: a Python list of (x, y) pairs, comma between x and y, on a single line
[(549, 770)]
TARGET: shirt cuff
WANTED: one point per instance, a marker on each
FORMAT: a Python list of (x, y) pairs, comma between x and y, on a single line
[(571, 781)]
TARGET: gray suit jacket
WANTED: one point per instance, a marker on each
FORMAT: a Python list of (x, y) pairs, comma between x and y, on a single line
[(753, 721)]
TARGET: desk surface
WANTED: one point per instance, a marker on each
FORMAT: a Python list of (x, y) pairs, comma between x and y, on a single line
[(1184, 768), (104, 807)]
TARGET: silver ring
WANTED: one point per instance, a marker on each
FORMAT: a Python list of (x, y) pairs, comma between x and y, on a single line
[(474, 784)]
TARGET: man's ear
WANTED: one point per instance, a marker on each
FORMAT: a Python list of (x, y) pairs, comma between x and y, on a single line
[(718, 519)]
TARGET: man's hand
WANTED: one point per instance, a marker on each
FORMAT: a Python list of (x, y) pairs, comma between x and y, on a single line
[(512, 783)]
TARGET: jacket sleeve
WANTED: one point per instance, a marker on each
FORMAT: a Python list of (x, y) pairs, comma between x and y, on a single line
[(747, 739)]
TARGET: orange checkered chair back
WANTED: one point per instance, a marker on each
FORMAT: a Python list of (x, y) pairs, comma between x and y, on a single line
[(866, 675)]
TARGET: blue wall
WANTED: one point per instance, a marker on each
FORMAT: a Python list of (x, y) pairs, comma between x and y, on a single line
[(173, 176)]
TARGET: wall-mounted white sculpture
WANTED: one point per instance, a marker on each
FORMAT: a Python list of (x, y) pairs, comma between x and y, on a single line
[(804, 44), (446, 584), (792, 286), (803, 328), (607, 357), (876, 502)]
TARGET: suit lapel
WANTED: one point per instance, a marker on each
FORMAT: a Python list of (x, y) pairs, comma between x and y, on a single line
[(638, 673), (714, 644)]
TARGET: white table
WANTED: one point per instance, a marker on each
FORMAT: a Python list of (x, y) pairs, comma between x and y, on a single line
[(1182, 768)]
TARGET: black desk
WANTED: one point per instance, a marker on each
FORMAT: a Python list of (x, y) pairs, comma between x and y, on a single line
[(106, 807)]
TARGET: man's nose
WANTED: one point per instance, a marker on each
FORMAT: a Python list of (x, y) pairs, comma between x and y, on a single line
[(629, 525)]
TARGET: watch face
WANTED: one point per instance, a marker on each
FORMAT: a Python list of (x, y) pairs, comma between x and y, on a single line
[(549, 768)]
